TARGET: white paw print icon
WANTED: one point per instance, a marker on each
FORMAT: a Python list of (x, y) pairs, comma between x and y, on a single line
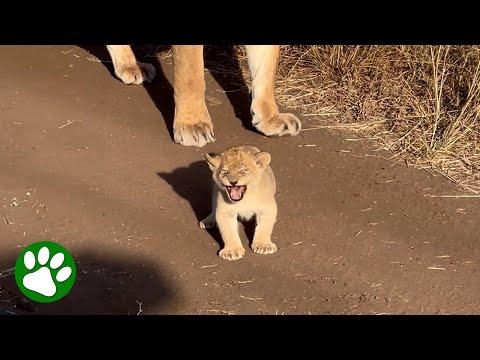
[(41, 281)]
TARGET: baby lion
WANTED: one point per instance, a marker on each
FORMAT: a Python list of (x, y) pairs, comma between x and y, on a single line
[(244, 186)]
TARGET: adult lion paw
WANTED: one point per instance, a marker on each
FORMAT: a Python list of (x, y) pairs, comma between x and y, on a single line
[(280, 125), (199, 134)]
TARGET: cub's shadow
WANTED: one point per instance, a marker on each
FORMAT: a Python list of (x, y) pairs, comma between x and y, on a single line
[(105, 284), (220, 61), (194, 183)]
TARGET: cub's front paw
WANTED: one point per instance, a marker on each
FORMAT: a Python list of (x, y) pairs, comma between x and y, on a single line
[(264, 248), (232, 253)]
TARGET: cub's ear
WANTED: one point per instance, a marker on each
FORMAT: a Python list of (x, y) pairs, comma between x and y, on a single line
[(262, 159), (213, 160)]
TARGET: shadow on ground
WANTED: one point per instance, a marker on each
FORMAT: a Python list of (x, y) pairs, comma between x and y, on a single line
[(194, 184), (222, 63), (160, 90), (105, 284)]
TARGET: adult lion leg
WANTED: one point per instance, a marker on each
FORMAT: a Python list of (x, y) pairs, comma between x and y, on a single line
[(263, 63), (126, 66), (192, 125)]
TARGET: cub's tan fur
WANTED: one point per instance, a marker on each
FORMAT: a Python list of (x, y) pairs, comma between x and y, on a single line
[(252, 194), (192, 124)]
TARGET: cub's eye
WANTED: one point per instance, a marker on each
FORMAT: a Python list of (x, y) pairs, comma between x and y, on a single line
[(243, 171), (224, 172)]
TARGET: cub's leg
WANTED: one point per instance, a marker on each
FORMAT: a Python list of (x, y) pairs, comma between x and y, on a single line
[(263, 62), (228, 226), (192, 125), (126, 66), (262, 240), (208, 222)]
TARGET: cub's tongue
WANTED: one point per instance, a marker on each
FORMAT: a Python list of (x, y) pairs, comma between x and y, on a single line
[(236, 192)]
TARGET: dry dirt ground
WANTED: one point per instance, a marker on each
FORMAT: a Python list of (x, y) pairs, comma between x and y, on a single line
[(89, 162)]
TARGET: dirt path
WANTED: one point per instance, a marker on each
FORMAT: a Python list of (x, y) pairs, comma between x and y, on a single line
[(92, 165)]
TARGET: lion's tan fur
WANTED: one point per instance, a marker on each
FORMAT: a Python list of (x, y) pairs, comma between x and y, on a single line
[(192, 123)]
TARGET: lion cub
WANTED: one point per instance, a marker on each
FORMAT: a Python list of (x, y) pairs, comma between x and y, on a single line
[(244, 186)]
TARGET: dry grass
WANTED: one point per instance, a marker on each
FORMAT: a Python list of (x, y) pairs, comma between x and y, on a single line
[(420, 103)]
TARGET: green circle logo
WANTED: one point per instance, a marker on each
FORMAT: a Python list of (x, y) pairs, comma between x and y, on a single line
[(45, 272)]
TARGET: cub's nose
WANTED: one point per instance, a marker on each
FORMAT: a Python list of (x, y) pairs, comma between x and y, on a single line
[(233, 182)]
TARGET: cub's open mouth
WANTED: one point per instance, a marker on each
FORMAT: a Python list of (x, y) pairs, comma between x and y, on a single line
[(236, 192)]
